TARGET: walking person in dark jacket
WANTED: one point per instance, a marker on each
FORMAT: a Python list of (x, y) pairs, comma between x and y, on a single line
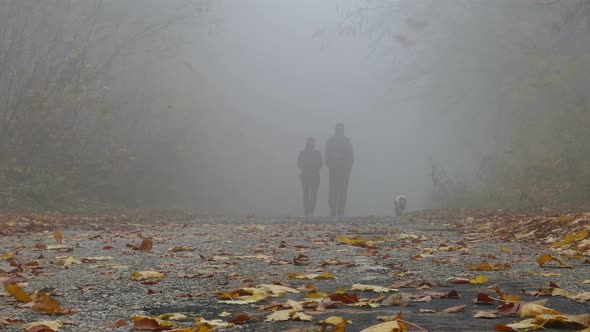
[(310, 162), (339, 159)]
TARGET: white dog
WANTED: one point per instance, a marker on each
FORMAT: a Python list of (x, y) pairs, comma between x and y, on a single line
[(400, 205)]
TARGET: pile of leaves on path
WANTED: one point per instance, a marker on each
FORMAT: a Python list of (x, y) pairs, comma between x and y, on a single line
[(281, 274), (558, 230), (14, 223)]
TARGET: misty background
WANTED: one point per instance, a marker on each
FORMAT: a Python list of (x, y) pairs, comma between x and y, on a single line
[(206, 104)]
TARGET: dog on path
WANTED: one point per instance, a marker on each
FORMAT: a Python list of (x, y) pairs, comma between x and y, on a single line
[(400, 205)]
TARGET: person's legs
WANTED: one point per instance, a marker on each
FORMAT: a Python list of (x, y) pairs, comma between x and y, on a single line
[(313, 194), (333, 192), (305, 186), (342, 192)]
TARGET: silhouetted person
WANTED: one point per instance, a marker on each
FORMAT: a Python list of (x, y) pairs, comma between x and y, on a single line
[(310, 162), (339, 159)]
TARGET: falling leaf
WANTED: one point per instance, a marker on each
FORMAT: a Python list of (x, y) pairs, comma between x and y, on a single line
[(146, 245), (545, 258), (480, 279), (19, 294), (58, 236)]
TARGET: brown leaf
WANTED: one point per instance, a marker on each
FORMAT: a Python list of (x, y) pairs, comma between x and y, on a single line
[(48, 305), (243, 319), (483, 298), (344, 297), (146, 245), (119, 323)]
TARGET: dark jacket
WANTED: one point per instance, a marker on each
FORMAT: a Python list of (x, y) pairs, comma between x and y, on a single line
[(310, 161), (339, 153)]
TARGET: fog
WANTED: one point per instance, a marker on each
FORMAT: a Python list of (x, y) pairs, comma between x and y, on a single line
[(275, 74), (206, 104)]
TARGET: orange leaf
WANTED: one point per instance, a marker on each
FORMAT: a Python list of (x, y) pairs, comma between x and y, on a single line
[(545, 258), (48, 305), (20, 294)]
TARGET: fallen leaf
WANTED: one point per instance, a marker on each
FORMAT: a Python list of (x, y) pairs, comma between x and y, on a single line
[(43, 326), (545, 258), (143, 275), (458, 308), (372, 288), (19, 294), (151, 323), (146, 245), (8, 255), (48, 305), (485, 314), (480, 279)]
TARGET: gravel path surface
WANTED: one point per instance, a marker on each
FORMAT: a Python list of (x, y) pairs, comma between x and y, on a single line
[(223, 254)]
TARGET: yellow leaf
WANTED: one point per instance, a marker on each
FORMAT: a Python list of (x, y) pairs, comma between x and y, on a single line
[(372, 288), (506, 250), (533, 309), (142, 275), (20, 294), (480, 279), (571, 238), (545, 258), (11, 223), (8, 255), (279, 316), (392, 326), (67, 261), (213, 323), (316, 295), (58, 236)]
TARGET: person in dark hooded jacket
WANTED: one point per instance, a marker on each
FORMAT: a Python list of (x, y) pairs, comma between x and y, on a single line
[(339, 158), (310, 162)]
